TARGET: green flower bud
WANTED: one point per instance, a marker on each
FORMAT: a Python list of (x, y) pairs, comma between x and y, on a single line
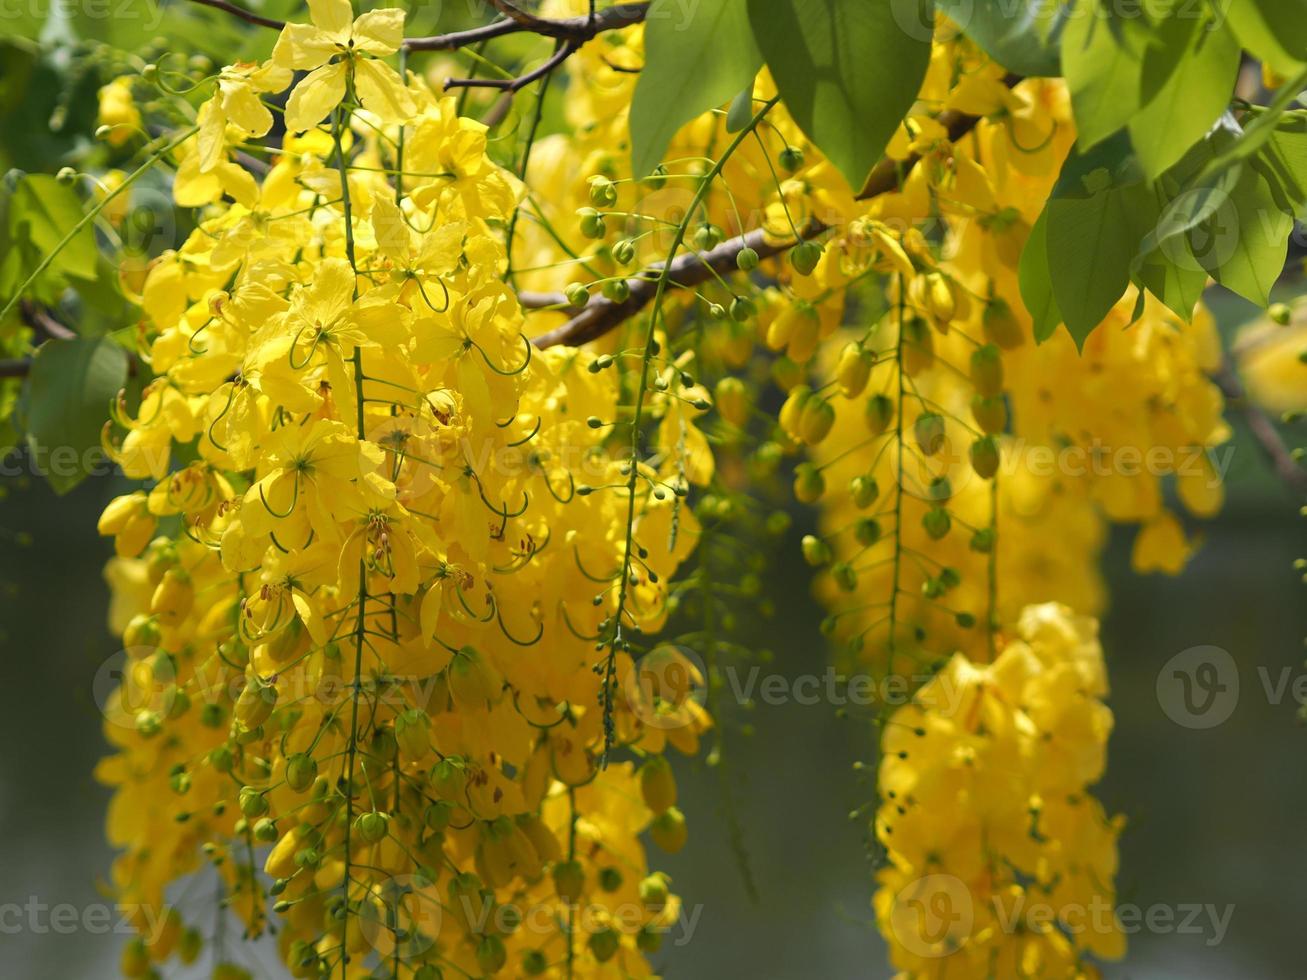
[(491, 954), (742, 308), (707, 237), (534, 963), (577, 294), (301, 770), (372, 826), (929, 432), (804, 257), (654, 891), (987, 371), (603, 194), (791, 159), (617, 290), (592, 223), (604, 943), (809, 484), (265, 830), (252, 802), (985, 457), (569, 880), (816, 552), (746, 260), (867, 531), (845, 577), (864, 490), (624, 252), (649, 939), (936, 523), (940, 488), (879, 413)]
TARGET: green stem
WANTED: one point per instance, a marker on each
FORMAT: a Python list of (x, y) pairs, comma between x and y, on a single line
[(610, 665), (92, 214)]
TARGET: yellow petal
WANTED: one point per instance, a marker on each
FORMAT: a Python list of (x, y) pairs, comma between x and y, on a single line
[(303, 46), (239, 183), (382, 91), (379, 31), (443, 247), (246, 111), (333, 16), (314, 97), (391, 232), (212, 136), (1161, 546), (1199, 486)]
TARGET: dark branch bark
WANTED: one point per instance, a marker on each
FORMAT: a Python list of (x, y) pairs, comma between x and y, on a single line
[(1263, 430), (246, 15), (15, 367), (601, 315), (573, 30), (511, 85)]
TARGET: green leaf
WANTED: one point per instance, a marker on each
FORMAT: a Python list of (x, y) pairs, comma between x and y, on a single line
[(1273, 30), (41, 211), (68, 393), (1186, 199), (1192, 72), (1284, 158), (692, 64), (1036, 286), (1090, 246), (1022, 36), (741, 110), (1102, 58), (848, 70), (1169, 269), (1243, 245)]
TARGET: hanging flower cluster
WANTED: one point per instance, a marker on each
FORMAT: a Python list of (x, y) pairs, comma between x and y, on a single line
[(362, 591), (1001, 864), (379, 589)]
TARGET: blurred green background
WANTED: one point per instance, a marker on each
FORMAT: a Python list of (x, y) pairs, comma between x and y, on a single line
[(1215, 816)]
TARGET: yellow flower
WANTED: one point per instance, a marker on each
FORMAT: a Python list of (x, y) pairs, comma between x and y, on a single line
[(335, 33), (118, 111), (236, 103)]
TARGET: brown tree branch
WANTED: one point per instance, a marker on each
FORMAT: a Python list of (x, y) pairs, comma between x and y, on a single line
[(562, 52), (246, 15), (574, 30), (601, 315), (1262, 428), (15, 367)]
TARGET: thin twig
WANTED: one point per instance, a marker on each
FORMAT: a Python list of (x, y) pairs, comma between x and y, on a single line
[(576, 30), (602, 315), (1262, 429), (39, 318), (245, 15), (561, 53)]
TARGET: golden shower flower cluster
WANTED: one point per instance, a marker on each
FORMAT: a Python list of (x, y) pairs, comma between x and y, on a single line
[(964, 472), (966, 476), (363, 586), (378, 589), (1000, 862)]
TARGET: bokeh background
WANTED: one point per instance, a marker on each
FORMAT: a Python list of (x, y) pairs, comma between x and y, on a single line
[(1216, 816)]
